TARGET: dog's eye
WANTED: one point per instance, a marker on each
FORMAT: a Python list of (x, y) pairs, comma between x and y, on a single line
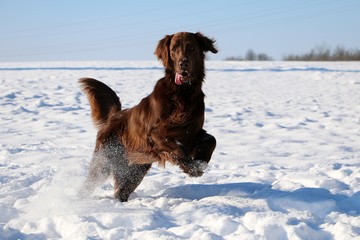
[(176, 45)]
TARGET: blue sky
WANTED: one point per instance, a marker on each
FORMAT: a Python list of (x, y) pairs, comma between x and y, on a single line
[(44, 30)]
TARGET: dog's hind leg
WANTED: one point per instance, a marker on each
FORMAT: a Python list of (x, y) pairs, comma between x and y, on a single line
[(127, 177)]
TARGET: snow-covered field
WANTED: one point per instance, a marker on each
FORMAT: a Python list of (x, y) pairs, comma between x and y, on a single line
[(287, 163)]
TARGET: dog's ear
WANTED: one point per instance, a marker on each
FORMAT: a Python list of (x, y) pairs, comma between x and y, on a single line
[(205, 43), (162, 50)]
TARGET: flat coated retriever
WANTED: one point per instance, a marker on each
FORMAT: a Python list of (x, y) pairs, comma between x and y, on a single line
[(167, 125)]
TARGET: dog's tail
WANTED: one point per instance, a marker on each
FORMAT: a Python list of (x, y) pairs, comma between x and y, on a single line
[(103, 100)]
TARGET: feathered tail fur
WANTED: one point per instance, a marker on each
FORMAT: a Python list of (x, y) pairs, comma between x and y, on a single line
[(103, 100)]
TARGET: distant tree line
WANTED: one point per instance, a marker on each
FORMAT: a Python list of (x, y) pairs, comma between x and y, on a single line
[(251, 55), (325, 53), (319, 53)]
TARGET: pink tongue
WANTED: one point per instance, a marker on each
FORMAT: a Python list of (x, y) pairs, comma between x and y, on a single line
[(178, 79)]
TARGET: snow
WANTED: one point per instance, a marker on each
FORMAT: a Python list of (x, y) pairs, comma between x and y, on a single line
[(286, 165)]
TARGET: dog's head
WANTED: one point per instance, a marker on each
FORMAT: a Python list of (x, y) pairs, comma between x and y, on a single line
[(183, 55)]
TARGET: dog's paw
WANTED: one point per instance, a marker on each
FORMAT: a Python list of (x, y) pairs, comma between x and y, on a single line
[(194, 168), (197, 168)]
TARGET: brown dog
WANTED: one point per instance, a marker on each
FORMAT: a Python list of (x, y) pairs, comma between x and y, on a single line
[(167, 125)]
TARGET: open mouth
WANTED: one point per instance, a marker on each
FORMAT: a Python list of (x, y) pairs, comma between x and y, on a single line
[(184, 77)]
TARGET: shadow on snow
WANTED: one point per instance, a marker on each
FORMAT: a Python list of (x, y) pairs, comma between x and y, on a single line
[(319, 201)]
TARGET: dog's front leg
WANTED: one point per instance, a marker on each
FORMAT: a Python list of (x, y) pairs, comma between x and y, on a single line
[(204, 146), (197, 160), (189, 166), (180, 155), (169, 145)]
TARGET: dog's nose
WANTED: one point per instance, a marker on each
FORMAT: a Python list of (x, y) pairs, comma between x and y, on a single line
[(184, 63)]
